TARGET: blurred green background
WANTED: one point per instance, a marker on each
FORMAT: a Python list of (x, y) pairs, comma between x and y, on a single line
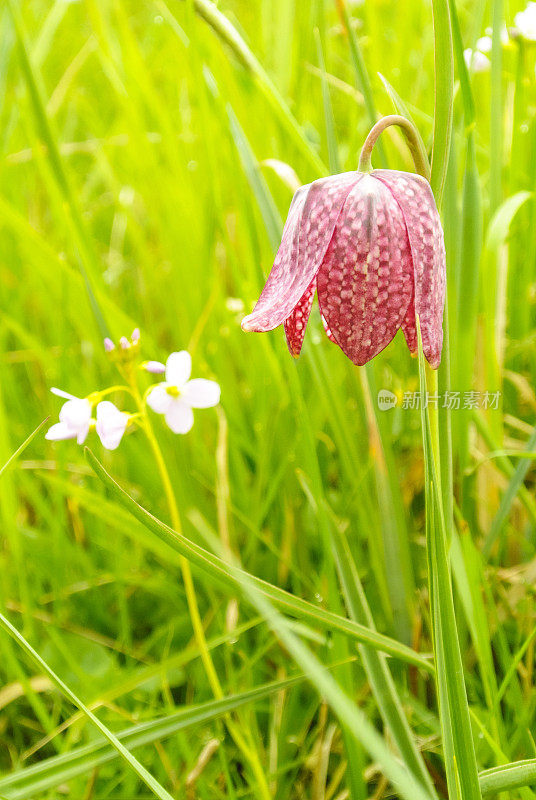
[(148, 159)]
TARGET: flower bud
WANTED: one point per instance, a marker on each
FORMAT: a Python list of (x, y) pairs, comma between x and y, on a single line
[(154, 367)]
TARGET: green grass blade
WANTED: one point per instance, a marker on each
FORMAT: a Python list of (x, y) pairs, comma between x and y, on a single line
[(499, 225), (467, 307), (441, 151), (494, 296), (268, 209), (461, 66), (376, 667), (333, 149), (88, 264), (50, 772), (513, 667), (508, 777), (458, 745), (505, 465), (362, 75), (23, 446), (218, 569), (228, 34), (348, 713), (444, 93), (468, 577), (507, 500), (397, 555), (451, 226), (132, 762), (496, 123)]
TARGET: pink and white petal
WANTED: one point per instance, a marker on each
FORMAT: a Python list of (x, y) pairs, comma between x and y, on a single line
[(178, 368), (106, 410), (158, 398), (76, 413), (82, 432), (111, 424), (296, 323), (59, 432), (154, 367), (65, 395), (180, 416), (415, 198), (200, 393), (365, 282), (308, 230), (112, 439), (273, 295)]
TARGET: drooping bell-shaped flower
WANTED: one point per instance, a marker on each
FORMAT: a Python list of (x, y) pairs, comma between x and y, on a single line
[(371, 245)]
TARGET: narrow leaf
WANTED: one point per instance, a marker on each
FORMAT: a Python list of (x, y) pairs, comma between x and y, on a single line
[(220, 570)]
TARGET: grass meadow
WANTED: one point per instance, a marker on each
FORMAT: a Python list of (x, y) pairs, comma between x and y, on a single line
[(149, 153)]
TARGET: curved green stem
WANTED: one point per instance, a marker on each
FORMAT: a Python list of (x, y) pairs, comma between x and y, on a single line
[(413, 140), (432, 387), (113, 389), (191, 598)]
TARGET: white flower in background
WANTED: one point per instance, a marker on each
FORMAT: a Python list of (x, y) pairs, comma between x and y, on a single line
[(177, 395), (525, 22), (75, 419), (476, 61), (111, 424), (505, 36), (484, 44), (235, 304)]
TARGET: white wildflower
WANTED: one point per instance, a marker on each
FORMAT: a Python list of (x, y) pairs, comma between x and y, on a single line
[(75, 419), (178, 395), (476, 61), (111, 424), (525, 22)]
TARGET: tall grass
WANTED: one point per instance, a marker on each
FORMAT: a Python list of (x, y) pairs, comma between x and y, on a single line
[(149, 154)]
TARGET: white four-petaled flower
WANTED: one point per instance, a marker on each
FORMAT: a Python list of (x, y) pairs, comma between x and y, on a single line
[(111, 424), (75, 419), (177, 395)]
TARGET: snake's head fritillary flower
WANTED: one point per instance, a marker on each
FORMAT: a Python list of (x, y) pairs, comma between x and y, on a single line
[(178, 395), (111, 424), (75, 419), (371, 246)]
